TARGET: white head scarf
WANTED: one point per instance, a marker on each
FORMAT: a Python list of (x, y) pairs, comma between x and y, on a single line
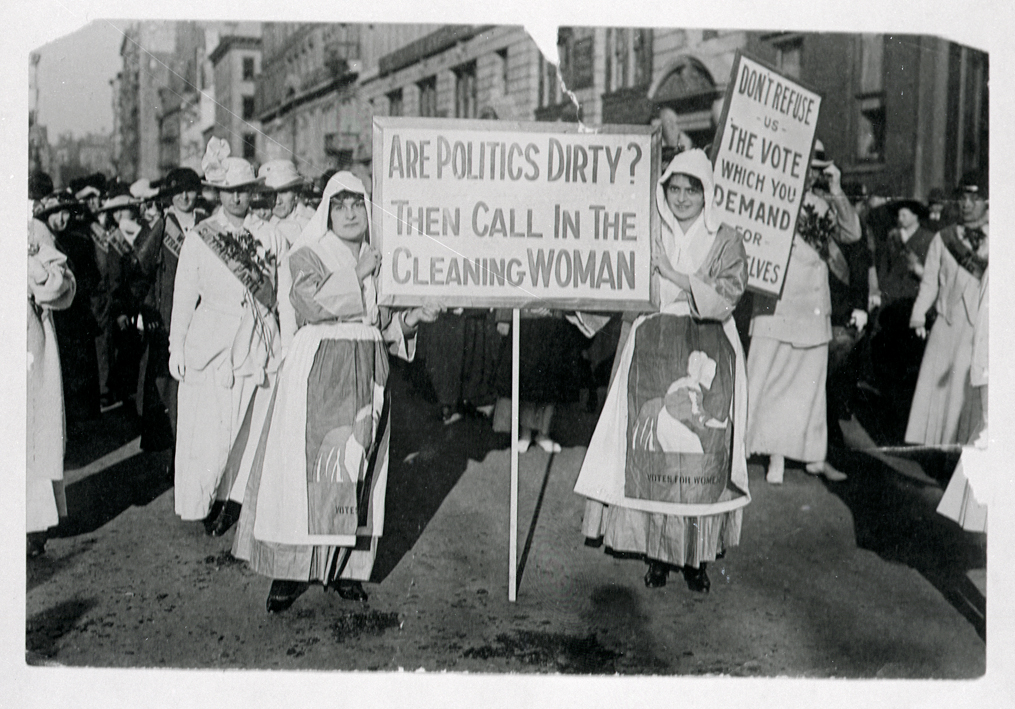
[(696, 164), (317, 227)]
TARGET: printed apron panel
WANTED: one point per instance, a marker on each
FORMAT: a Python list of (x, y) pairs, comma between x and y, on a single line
[(680, 388), (345, 399)]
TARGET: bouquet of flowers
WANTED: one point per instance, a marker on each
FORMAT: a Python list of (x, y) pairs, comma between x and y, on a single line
[(247, 259), (816, 229)]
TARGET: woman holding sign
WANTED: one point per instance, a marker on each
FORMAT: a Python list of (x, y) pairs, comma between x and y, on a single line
[(666, 473), (314, 504)]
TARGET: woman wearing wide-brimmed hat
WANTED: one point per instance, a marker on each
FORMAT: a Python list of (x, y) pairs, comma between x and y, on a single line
[(283, 180), (76, 326), (180, 189), (223, 339)]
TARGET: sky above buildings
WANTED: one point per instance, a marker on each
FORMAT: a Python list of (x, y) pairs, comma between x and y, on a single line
[(73, 79)]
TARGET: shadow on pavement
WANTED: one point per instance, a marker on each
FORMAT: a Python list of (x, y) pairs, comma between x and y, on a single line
[(45, 629), (896, 518), (426, 460), (95, 500), (90, 440)]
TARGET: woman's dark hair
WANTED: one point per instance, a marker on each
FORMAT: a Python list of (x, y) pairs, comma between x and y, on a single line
[(695, 182)]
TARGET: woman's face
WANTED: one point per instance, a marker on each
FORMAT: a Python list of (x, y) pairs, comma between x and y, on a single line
[(58, 220), (684, 199), (285, 202), (185, 201), (907, 218), (122, 215), (973, 208), (349, 218), (235, 202)]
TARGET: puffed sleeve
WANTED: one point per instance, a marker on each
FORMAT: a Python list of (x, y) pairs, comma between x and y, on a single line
[(317, 294), (718, 285), (928, 283), (50, 282)]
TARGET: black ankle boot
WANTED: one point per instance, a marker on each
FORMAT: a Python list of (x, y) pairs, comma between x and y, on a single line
[(697, 579), (657, 573), (283, 594), (351, 590), (213, 515), (226, 519)]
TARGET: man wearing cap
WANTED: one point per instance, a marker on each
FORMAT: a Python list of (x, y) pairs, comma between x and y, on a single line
[(224, 343), (945, 409), (282, 179), (788, 361)]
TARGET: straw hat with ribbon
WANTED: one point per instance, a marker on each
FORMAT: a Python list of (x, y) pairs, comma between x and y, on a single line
[(224, 172), (280, 175)]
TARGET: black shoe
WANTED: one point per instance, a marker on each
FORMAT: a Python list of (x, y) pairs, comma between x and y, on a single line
[(697, 579), (36, 544), (656, 576), (230, 513), (283, 594), (351, 590), (213, 515)]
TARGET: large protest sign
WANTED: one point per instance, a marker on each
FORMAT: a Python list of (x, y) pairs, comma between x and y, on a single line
[(761, 155), (499, 214)]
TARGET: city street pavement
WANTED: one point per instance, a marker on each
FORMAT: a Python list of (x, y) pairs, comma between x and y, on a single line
[(860, 579)]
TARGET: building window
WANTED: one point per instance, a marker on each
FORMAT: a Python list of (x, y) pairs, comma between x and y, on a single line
[(870, 100), (248, 68), (465, 91), (249, 146), (395, 103), (428, 97), (641, 42), (575, 51), (502, 57), (787, 57), (248, 107)]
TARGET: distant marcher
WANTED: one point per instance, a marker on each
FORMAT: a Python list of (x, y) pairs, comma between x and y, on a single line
[(282, 179), (50, 287), (896, 351), (181, 188), (666, 472), (788, 362), (76, 327), (945, 409)]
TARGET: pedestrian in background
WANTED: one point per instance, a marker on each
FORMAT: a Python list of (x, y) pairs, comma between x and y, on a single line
[(314, 504), (945, 409), (788, 362), (666, 472)]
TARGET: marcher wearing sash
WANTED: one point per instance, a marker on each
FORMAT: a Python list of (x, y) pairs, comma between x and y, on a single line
[(224, 342), (50, 287), (282, 179), (788, 362), (158, 406), (666, 472), (945, 409), (314, 505)]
